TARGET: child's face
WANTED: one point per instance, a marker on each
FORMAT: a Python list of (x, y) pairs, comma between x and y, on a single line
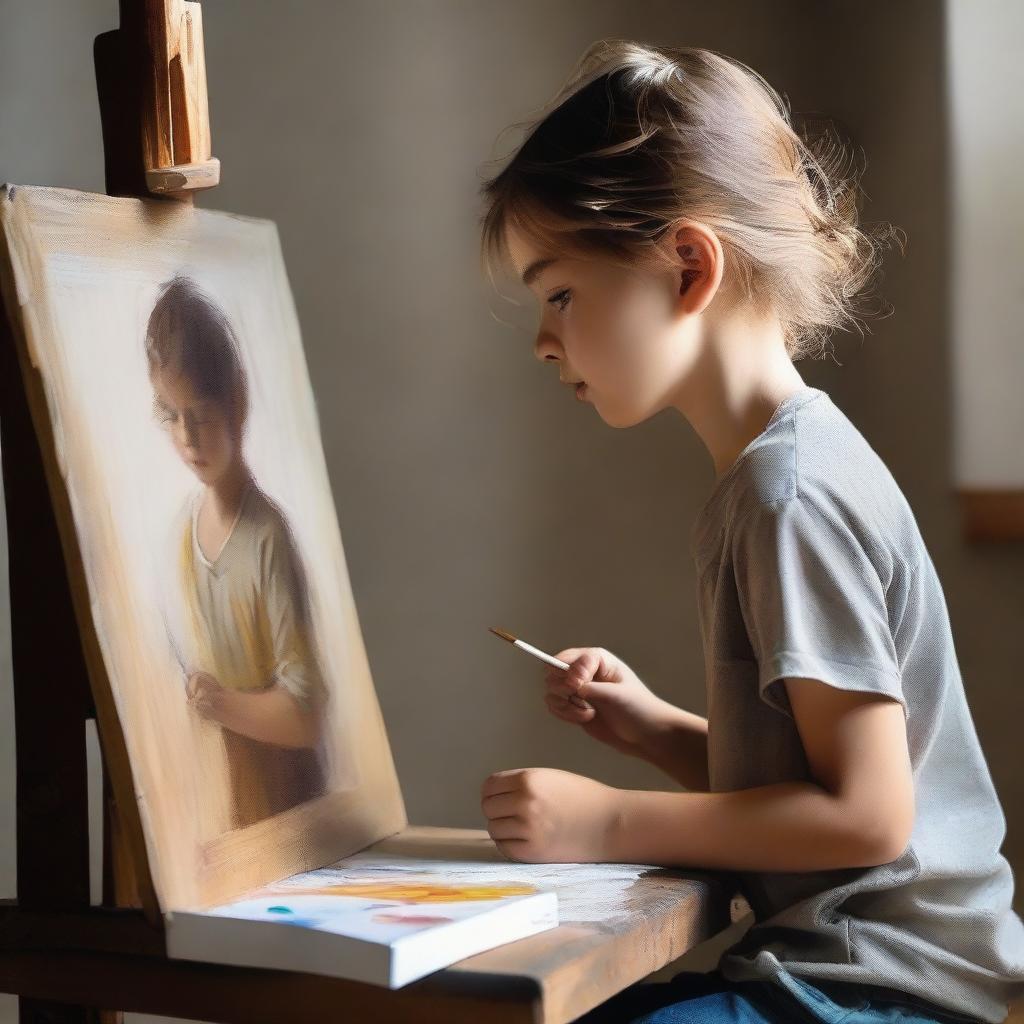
[(199, 428), (619, 331)]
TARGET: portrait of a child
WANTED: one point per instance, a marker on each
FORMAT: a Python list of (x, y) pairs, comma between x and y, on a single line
[(242, 634)]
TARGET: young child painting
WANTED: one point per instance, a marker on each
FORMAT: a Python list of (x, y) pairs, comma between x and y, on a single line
[(686, 245), (239, 624)]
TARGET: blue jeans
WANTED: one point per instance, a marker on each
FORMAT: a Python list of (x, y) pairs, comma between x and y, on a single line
[(694, 997)]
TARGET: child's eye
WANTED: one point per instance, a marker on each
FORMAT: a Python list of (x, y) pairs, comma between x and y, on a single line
[(561, 299)]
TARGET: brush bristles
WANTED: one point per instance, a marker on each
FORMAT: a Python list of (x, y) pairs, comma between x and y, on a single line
[(504, 636)]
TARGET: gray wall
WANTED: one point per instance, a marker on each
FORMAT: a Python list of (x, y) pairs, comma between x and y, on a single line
[(471, 489)]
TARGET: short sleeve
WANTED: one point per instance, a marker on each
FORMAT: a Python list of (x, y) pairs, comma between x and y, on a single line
[(285, 599), (812, 602)]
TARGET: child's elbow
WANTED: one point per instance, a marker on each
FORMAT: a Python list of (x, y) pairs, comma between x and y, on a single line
[(889, 845), (304, 721), (309, 725)]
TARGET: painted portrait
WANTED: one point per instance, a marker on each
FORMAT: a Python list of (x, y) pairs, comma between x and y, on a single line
[(186, 434)]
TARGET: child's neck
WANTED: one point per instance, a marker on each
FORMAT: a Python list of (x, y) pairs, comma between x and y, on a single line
[(225, 494)]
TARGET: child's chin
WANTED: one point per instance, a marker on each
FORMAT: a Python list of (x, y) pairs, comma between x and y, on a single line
[(624, 418)]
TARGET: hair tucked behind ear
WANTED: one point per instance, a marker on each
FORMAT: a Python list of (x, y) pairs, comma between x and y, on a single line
[(640, 137)]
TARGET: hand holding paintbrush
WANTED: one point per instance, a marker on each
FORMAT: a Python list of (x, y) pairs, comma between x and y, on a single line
[(618, 710)]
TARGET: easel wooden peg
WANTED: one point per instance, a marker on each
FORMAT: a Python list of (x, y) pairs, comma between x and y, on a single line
[(151, 80)]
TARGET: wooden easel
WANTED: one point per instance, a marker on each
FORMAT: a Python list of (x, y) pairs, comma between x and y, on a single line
[(70, 961)]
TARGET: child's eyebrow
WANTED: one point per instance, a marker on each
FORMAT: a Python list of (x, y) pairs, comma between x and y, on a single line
[(538, 267)]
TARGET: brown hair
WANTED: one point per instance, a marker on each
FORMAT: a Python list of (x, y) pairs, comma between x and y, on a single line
[(641, 136), (190, 334)]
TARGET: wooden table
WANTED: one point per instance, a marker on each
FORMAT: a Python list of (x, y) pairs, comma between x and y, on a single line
[(619, 923)]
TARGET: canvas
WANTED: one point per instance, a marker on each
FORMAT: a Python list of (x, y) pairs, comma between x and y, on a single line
[(164, 364)]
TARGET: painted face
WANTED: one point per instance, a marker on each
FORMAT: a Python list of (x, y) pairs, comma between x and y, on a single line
[(620, 331), (199, 428)]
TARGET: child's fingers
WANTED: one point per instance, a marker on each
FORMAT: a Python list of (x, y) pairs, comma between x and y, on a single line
[(564, 705), (570, 654), (588, 664), (558, 684), (567, 683), (578, 672), (566, 691), (568, 711)]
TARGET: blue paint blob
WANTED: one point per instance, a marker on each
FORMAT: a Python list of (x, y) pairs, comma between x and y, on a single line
[(279, 910)]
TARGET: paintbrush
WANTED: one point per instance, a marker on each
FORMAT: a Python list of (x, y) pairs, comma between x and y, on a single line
[(176, 651), (537, 653)]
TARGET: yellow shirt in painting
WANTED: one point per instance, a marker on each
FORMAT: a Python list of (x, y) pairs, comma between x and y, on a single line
[(246, 617)]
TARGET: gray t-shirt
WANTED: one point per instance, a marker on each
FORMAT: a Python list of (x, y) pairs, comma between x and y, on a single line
[(810, 563)]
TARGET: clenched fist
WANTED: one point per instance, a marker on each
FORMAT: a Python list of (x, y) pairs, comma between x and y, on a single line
[(545, 815)]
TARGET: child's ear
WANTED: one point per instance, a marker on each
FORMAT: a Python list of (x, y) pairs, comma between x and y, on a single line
[(687, 278), (691, 266), (699, 263)]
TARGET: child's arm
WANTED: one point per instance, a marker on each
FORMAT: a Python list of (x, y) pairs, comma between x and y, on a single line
[(272, 715), (608, 700), (812, 590), (286, 713), (858, 811), (680, 748)]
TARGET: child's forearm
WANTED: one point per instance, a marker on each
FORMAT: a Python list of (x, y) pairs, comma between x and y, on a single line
[(679, 747), (785, 826), (272, 715)]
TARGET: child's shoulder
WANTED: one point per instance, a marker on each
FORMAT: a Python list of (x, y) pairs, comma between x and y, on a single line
[(816, 456), (268, 521)]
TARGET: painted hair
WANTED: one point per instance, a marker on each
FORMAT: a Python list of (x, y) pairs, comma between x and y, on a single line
[(641, 136), (189, 333)]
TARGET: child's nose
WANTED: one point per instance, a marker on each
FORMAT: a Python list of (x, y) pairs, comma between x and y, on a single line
[(189, 434), (545, 347)]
